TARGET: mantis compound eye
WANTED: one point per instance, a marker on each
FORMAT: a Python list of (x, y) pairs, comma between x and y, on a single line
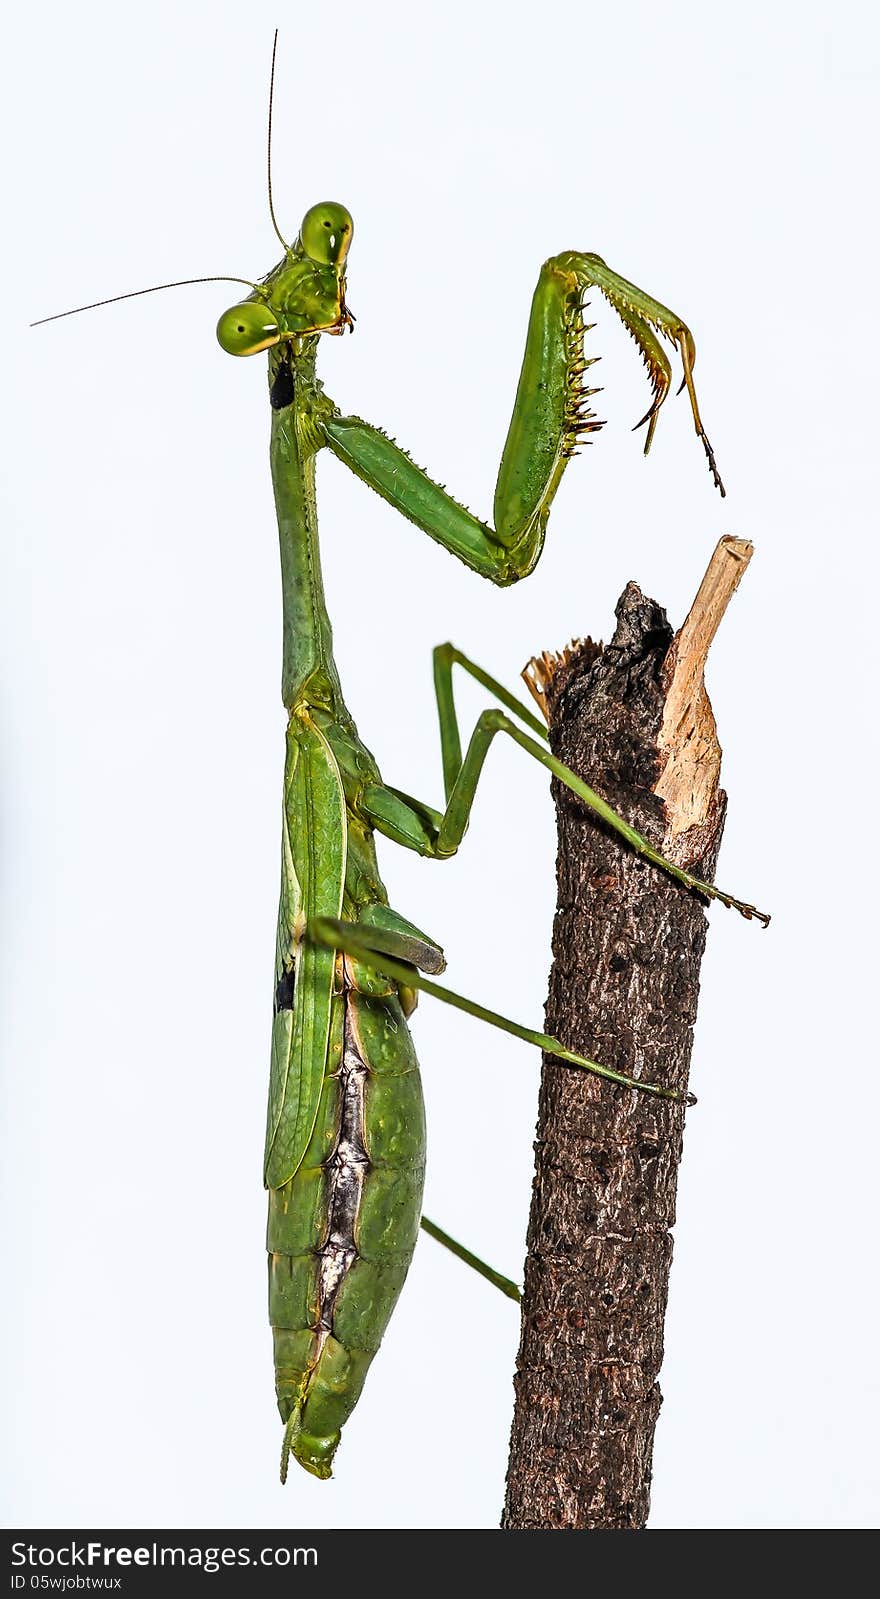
[(247, 328), (326, 233)]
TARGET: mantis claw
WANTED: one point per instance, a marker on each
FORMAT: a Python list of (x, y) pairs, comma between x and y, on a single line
[(650, 417), (651, 411), (750, 912), (650, 433), (685, 342), (645, 318)]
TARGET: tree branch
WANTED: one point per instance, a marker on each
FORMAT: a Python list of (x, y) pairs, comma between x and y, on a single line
[(633, 719)]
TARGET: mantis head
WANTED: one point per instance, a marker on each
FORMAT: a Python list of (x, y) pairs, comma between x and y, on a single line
[(305, 294)]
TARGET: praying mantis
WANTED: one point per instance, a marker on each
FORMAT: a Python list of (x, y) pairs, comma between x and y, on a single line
[(345, 1138)]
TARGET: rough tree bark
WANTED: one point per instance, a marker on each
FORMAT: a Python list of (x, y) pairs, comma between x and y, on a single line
[(634, 721)]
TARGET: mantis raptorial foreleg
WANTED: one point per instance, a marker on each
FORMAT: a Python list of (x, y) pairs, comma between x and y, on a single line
[(551, 413), (438, 834)]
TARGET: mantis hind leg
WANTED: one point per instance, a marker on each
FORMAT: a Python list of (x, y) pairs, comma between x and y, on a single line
[(390, 951), (390, 934), (508, 1288), (360, 941)]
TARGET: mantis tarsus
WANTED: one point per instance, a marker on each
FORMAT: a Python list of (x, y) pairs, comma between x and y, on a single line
[(345, 1139)]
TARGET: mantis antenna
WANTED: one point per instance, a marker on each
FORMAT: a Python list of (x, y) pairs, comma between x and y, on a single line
[(180, 283), (269, 145)]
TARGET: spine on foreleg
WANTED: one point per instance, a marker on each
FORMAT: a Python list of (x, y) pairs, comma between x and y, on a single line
[(550, 410), (342, 1231)]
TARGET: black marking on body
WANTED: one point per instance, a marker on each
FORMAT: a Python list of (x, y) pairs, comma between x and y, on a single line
[(284, 990), (282, 390)]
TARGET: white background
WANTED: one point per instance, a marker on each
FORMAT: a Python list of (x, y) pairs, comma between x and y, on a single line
[(722, 158)]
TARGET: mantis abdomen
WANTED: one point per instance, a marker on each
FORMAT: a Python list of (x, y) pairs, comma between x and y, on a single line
[(343, 1228), (342, 1232)]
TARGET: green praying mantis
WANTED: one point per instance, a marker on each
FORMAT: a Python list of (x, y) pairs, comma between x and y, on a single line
[(345, 1137)]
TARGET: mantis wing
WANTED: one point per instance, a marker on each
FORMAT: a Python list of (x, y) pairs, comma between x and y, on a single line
[(312, 879)]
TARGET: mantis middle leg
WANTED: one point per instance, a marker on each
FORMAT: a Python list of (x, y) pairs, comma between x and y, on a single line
[(438, 833)]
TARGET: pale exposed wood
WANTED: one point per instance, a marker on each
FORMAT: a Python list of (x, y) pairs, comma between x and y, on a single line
[(690, 755)]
